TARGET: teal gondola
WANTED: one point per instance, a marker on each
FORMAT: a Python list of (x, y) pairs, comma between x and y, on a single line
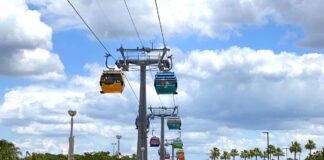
[(165, 83), (174, 123)]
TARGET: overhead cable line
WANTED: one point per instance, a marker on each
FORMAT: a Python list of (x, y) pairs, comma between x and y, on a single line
[(130, 15), (158, 14), (94, 34), (108, 53), (132, 88)]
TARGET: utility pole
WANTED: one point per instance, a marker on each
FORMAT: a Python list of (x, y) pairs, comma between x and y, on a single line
[(268, 151), (170, 143), (286, 152), (163, 112), (143, 59), (72, 113), (118, 136)]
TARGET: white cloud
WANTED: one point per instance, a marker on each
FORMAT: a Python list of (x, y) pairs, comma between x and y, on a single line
[(226, 99), (209, 18), (205, 18), (25, 44)]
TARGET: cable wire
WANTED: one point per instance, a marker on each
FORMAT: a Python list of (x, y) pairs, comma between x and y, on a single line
[(132, 88), (130, 15), (173, 100), (94, 34), (158, 14), (108, 53)]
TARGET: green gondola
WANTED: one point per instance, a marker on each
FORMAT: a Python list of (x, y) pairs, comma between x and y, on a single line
[(177, 143), (174, 123), (165, 83)]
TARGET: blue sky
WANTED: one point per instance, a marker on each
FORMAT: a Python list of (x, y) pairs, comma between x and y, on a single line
[(243, 67)]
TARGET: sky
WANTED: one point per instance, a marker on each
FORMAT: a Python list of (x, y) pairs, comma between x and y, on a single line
[(243, 67)]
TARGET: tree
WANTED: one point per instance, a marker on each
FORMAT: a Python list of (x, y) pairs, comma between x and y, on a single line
[(278, 153), (214, 153), (264, 155), (310, 146), (225, 156), (244, 154), (251, 153), (8, 151), (272, 149), (234, 153), (295, 148), (318, 155), (257, 152)]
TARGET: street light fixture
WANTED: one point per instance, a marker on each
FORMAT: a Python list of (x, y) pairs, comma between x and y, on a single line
[(142, 150), (118, 136), (72, 113), (268, 151)]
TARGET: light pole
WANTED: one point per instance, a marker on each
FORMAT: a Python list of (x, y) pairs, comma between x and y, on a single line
[(113, 145), (142, 152), (268, 151), (118, 136), (72, 113), (286, 152)]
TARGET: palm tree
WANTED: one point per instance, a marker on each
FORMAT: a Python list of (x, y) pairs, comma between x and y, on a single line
[(272, 148), (225, 156), (310, 146), (214, 153), (251, 153), (234, 153), (244, 154), (8, 151), (278, 152), (257, 152), (295, 148)]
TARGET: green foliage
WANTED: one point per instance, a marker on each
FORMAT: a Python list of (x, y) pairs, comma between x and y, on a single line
[(225, 156), (214, 153), (295, 148), (310, 146), (278, 153), (8, 151), (245, 154), (234, 153), (257, 152), (318, 155), (86, 156)]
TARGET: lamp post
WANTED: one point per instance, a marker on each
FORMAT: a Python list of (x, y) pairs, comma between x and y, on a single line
[(142, 151), (286, 152), (268, 151), (72, 113), (118, 136)]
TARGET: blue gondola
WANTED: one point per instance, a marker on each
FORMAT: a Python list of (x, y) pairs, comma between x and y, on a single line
[(174, 122), (147, 122), (165, 83)]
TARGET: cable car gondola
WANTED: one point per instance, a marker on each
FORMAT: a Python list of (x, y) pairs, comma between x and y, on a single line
[(174, 122), (180, 155), (165, 82), (167, 156), (177, 143), (112, 81), (155, 141)]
